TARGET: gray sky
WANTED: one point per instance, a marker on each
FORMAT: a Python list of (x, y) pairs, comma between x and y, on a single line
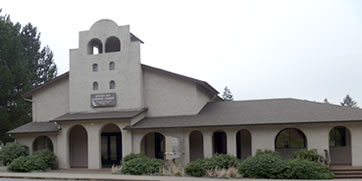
[(306, 49)]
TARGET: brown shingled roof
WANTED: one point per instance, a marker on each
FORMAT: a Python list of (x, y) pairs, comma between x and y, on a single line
[(257, 112), (99, 115), (36, 127), (66, 75)]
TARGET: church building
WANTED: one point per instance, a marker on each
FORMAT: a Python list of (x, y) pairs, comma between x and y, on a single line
[(109, 105)]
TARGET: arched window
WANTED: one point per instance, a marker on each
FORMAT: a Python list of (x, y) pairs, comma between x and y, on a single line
[(112, 66), (337, 137), (113, 44), (42, 142), (290, 138), (112, 84), (95, 47), (95, 67), (95, 85)]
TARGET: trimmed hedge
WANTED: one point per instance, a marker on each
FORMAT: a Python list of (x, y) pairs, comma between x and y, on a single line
[(198, 168), (27, 164), (305, 169), (11, 151), (271, 165), (141, 166), (48, 157), (263, 165), (132, 156)]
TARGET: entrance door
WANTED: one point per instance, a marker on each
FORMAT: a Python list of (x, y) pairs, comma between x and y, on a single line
[(111, 149)]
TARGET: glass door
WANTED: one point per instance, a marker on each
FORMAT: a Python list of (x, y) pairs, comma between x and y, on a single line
[(111, 148)]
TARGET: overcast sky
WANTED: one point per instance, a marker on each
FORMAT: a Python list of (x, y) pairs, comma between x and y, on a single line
[(306, 49)]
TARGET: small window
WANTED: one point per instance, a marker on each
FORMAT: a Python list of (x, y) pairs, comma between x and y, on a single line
[(337, 137), (95, 85), (112, 85), (95, 67), (111, 65)]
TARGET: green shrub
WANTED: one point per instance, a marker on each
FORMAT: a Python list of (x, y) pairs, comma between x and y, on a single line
[(305, 169), (311, 155), (18, 164), (11, 151), (132, 156), (263, 165), (196, 168), (141, 166), (28, 163), (220, 161), (258, 152), (48, 157)]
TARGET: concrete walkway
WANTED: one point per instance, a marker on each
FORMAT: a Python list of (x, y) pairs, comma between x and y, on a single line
[(79, 174)]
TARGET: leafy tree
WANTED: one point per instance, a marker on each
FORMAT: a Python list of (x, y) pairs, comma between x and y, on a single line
[(349, 102), (18, 62), (227, 95)]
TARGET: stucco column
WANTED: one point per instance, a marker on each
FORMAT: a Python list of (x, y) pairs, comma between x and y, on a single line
[(356, 146), (231, 142), (186, 150), (207, 144), (94, 146), (63, 148), (168, 148), (127, 143)]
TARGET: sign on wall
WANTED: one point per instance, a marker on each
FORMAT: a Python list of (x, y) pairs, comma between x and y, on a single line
[(103, 100)]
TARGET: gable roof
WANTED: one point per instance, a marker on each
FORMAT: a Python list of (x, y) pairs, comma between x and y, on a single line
[(257, 112), (66, 75)]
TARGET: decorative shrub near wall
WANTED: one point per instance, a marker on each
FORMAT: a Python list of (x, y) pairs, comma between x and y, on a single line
[(141, 166), (11, 151), (199, 168), (38, 161), (270, 165), (311, 155)]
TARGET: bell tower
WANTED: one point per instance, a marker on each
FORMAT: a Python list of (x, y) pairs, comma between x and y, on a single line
[(105, 71)]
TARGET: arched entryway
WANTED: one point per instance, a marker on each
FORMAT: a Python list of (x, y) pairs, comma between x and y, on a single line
[(288, 141), (243, 144), (42, 142), (153, 145), (340, 146), (111, 145), (78, 147), (219, 142), (196, 141)]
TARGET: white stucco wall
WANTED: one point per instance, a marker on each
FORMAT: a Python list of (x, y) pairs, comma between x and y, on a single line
[(28, 140), (171, 96), (51, 101), (127, 73)]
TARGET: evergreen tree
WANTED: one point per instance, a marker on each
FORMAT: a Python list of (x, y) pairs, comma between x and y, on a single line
[(326, 100), (19, 59), (227, 95), (349, 102), (40, 61)]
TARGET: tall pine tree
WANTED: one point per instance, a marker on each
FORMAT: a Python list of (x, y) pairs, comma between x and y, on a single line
[(22, 66)]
